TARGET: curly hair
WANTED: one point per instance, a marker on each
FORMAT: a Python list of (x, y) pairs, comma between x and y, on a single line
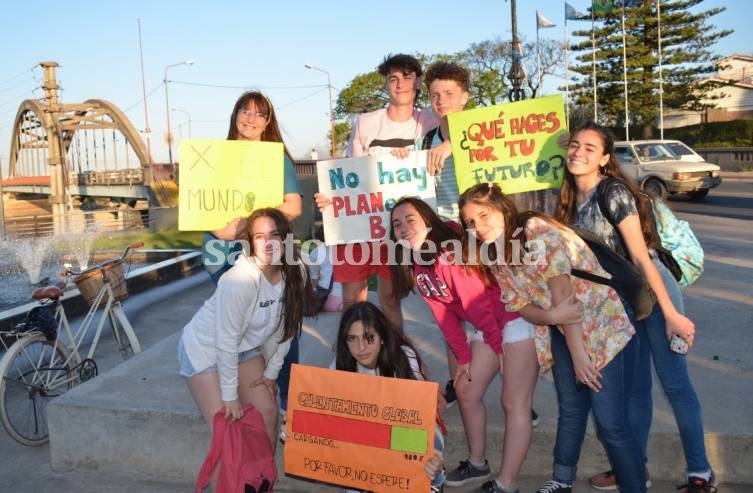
[(448, 71)]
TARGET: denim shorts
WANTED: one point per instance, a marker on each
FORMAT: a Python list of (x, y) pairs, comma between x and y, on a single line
[(187, 370)]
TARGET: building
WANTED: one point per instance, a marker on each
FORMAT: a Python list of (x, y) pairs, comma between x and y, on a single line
[(737, 100)]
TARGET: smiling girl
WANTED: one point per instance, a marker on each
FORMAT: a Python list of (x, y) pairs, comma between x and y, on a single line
[(232, 349), (456, 294)]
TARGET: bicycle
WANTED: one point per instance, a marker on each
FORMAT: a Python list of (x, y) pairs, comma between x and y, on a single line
[(46, 358)]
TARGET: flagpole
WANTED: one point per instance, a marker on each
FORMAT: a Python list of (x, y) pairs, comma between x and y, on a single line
[(593, 62), (624, 75), (538, 56), (567, 76), (661, 79)]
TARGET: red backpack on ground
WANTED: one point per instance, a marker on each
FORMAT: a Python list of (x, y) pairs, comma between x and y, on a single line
[(244, 454)]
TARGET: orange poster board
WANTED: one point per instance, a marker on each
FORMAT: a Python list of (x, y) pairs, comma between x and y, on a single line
[(361, 431)]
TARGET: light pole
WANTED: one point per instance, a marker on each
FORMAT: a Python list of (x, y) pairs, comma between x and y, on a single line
[(516, 73), (167, 109), (189, 119), (332, 139)]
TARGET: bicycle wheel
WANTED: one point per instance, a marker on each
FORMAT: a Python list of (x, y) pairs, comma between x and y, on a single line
[(122, 331), (32, 372)]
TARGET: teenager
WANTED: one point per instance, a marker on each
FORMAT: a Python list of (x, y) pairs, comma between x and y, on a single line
[(367, 342), (501, 340), (399, 125), (590, 159), (233, 348), (531, 256)]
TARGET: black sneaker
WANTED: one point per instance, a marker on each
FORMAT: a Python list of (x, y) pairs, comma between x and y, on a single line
[(467, 472), (553, 486), (535, 418), (490, 487), (450, 396), (699, 485)]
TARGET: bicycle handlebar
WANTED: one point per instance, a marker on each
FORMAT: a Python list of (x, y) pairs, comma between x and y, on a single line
[(68, 271)]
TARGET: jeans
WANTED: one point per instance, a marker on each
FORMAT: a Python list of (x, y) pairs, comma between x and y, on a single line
[(672, 370), (609, 408), (283, 378)]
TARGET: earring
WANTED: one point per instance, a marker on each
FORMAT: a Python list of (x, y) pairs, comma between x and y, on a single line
[(603, 170)]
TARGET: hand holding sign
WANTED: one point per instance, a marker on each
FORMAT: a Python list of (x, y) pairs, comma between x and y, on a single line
[(514, 145)]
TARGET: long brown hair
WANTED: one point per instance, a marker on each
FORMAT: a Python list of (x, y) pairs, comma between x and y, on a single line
[(262, 103), (566, 210), (440, 232), (513, 237), (294, 274)]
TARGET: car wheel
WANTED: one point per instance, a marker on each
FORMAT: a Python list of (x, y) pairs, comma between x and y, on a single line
[(698, 194), (655, 187)]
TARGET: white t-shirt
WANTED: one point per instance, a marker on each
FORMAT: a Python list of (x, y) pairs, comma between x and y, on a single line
[(243, 313), (374, 132)]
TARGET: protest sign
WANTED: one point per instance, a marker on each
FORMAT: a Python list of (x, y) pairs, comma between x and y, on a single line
[(363, 191), (220, 180), (361, 431), (513, 145)]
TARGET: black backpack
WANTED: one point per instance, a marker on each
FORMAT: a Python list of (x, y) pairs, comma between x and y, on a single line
[(626, 279)]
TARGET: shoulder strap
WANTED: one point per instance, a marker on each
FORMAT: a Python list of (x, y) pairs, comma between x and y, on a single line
[(428, 138), (602, 198)]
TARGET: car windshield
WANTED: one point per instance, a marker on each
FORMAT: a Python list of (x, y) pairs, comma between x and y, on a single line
[(654, 152), (683, 151)]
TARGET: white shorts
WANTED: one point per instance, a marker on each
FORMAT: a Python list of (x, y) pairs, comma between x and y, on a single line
[(515, 331)]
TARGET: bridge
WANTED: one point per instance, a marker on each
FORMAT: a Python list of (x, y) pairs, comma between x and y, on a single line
[(70, 152)]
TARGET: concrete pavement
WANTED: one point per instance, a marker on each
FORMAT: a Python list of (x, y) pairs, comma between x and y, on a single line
[(135, 427)]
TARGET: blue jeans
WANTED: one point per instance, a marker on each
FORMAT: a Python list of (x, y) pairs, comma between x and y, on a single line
[(283, 378), (609, 408), (672, 370)]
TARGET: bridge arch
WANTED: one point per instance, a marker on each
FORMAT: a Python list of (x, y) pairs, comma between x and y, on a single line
[(36, 122)]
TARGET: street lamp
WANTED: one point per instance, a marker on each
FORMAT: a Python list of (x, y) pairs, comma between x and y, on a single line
[(331, 115), (189, 119), (167, 109)]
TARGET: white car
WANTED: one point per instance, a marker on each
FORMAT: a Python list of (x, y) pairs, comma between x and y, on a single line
[(665, 167)]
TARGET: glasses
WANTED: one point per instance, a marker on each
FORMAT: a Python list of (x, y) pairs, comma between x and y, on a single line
[(252, 115)]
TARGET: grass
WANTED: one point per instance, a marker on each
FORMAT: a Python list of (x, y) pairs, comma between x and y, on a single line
[(168, 238)]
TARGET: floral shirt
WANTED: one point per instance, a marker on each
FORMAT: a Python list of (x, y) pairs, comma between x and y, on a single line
[(606, 328)]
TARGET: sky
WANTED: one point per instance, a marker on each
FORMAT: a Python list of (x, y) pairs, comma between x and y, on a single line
[(256, 44)]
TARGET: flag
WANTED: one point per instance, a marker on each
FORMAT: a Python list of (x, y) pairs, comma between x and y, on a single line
[(571, 14), (631, 3), (603, 6), (542, 22)]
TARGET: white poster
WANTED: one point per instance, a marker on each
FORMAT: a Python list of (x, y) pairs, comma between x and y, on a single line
[(363, 191)]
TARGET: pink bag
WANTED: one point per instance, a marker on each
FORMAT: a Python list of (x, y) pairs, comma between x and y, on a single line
[(244, 455)]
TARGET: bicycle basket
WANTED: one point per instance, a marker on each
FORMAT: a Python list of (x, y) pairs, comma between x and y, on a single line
[(40, 318), (90, 283)]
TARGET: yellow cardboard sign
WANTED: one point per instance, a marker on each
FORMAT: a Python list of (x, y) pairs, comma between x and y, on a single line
[(220, 180), (361, 431), (513, 145)]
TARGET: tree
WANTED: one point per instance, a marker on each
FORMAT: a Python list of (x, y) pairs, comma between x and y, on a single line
[(685, 41), (488, 61)]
